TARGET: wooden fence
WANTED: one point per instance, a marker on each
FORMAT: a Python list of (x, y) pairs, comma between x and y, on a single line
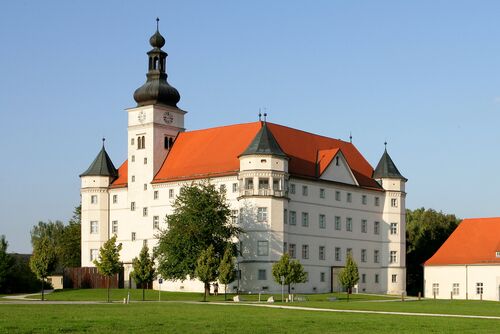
[(89, 278)]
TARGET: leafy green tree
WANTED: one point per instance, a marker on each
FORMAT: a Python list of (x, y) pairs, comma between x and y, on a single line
[(426, 231), (6, 262), (144, 269), (349, 276), (43, 260), (206, 269), (201, 218), (291, 270), (226, 269), (109, 263)]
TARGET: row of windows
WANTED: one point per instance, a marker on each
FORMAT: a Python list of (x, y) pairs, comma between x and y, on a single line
[(94, 253), (94, 226), (156, 195), (338, 195), (168, 142), (455, 289), (262, 276)]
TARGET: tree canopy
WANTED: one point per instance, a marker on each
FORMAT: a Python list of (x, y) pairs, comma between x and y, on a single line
[(43, 260), (426, 231), (144, 269), (6, 262), (206, 268), (291, 270), (226, 269), (201, 218), (108, 263), (349, 276)]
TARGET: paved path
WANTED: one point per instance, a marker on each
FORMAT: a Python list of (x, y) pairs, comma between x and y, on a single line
[(26, 297)]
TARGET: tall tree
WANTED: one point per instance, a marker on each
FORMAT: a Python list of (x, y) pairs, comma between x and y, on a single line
[(349, 276), (226, 269), (426, 231), (43, 260), (201, 218), (144, 269), (109, 263), (291, 270), (6, 262), (206, 268)]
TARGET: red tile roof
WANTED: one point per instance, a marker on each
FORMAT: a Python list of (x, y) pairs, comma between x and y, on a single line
[(214, 152), (474, 241), (122, 179)]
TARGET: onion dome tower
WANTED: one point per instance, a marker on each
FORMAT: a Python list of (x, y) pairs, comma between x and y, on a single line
[(157, 90)]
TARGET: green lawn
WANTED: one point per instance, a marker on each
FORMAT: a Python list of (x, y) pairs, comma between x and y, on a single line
[(173, 317)]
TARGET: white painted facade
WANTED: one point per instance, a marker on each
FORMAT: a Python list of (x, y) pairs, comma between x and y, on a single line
[(462, 282)]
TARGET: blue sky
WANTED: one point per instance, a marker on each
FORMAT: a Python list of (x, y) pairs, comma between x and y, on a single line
[(423, 75)]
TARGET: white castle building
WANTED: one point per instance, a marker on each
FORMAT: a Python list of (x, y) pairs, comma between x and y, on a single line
[(315, 197)]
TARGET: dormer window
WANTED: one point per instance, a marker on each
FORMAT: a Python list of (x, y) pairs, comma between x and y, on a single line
[(497, 254)]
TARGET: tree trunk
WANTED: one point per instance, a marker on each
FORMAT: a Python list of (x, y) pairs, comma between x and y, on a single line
[(143, 293), (108, 287), (207, 291), (43, 295), (225, 291)]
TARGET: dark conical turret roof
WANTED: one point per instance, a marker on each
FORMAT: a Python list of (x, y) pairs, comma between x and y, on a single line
[(264, 143), (102, 166), (387, 169)]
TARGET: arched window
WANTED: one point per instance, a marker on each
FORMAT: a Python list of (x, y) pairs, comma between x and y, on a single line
[(170, 142), (139, 143), (155, 63), (150, 63), (143, 142)]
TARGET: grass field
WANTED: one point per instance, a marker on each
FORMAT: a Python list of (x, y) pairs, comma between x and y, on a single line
[(175, 317)]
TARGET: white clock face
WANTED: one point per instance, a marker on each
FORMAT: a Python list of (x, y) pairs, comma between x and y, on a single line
[(142, 116), (168, 117)]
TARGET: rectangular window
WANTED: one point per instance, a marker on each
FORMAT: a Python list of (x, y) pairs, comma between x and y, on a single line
[(145, 161), (394, 278), (338, 256), (114, 226), (393, 257), (262, 248), (337, 195), (435, 289), (364, 226), (292, 251), (394, 228), (363, 199), (456, 289), (171, 193), (155, 194), (322, 221), (479, 288), (249, 183), (349, 197), (348, 251), (222, 188), (145, 186), (145, 242), (376, 256), (321, 193), (156, 222), (262, 215), (285, 216), (133, 178), (305, 251), (292, 188), (276, 184), (115, 199), (304, 191), (305, 219), (363, 255), (285, 248), (376, 228), (93, 199), (394, 202), (293, 218), (363, 278), (306, 276), (144, 212), (376, 278), (321, 252), (94, 254), (263, 183), (262, 275), (132, 206), (377, 201), (94, 227), (348, 224), (235, 187), (322, 277), (133, 158), (338, 223), (131, 141), (234, 217), (132, 236), (497, 254)]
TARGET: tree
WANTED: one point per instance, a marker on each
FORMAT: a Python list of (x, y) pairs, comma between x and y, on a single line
[(349, 276), (226, 269), (109, 263), (206, 269), (43, 260), (6, 262), (144, 268), (201, 218), (291, 270), (426, 231)]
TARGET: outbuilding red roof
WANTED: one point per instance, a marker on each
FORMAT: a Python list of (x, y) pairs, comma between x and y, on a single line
[(474, 241)]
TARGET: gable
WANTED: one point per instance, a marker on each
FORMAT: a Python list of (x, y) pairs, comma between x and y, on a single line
[(333, 166)]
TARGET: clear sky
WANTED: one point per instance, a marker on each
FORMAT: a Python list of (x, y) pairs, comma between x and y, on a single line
[(423, 75)]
